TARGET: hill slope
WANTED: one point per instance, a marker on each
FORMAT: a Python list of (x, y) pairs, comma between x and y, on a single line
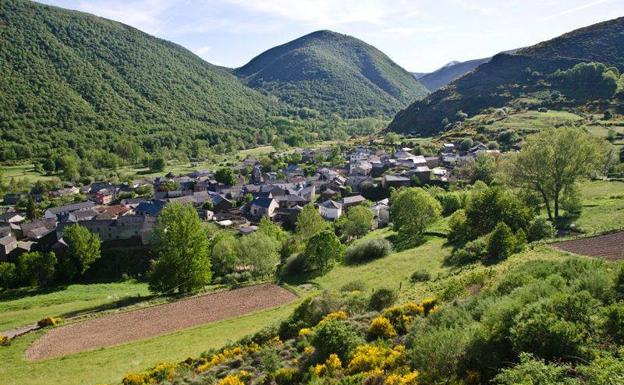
[(453, 70), (73, 80), (333, 73), (526, 76)]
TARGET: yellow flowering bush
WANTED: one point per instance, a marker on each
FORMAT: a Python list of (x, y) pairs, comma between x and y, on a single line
[(135, 379), (340, 315), (305, 332), (230, 380), (163, 371), (49, 321), (4, 341), (331, 367), (381, 328), (410, 378), (225, 355), (401, 316), (369, 358), (308, 350)]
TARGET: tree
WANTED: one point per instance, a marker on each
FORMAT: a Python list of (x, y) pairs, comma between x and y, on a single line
[(84, 249), (8, 275), (490, 205), (157, 164), (322, 251), (357, 222), (309, 222), (183, 262), (224, 253), (501, 243), (260, 252), (68, 166), (226, 176), (553, 161), (412, 210), (36, 268), (32, 212)]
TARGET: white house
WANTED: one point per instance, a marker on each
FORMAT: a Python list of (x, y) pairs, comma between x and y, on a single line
[(330, 210)]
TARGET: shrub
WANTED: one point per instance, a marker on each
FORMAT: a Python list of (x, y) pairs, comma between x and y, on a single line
[(4, 341), (520, 241), (614, 324), (459, 230), (367, 250), (450, 201), (420, 276), (473, 251), (381, 327), (287, 376), (8, 275), (354, 286), (501, 243), (336, 337), (49, 321), (540, 228), (382, 298)]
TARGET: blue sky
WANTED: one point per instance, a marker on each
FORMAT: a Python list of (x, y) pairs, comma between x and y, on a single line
[(420, 35)]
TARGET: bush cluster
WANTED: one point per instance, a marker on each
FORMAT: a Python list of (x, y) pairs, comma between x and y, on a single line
[(367, 250)]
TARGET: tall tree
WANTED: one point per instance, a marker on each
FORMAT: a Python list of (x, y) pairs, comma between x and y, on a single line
[(357, 222), (553, 160), (412, 210), (84, 249), (36, 268), (309, 222), (181, 246), (322, 251)]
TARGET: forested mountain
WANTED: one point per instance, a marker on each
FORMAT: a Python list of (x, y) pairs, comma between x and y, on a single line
[(70, 80), (551, 74), (333, 73), (451, 71)]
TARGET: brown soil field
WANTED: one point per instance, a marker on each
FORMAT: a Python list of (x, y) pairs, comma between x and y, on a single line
[(608, 246), (134, 325)]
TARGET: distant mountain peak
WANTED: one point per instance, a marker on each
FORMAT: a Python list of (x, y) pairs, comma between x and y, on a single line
[(332, 73)]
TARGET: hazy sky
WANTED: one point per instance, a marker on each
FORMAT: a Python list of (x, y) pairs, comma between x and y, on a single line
[(420, 35)]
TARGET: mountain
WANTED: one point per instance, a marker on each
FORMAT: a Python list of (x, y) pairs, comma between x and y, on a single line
[(73, 80), (333, 74), (451, 71), (527, 77), (419, 75)]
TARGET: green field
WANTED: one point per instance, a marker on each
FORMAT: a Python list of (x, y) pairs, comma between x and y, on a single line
[(109, 365), (603, 206), (22, 307)]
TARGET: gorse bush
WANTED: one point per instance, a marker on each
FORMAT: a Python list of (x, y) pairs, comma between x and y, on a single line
[(367, 250), (420, 276), (335, 337), (501, 243)]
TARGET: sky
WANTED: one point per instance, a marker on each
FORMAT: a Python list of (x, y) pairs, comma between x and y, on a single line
[(420, 35)]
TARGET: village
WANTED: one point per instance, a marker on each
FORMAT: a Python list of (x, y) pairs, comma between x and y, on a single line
[(124, 215)]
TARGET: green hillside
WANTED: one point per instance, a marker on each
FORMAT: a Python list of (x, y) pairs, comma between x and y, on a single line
[(333, 73), (453, 70), (73, 80), (529, 79)]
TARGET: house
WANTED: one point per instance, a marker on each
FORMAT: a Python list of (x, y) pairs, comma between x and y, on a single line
[(330, 210), (64, 192), (290, 200), (139, 227), (263, 207), (423, 173), (352, 201), (82, 215), (12, 217), (381, 211), (35, 229), (151, 208), (395, 181), (8, 243), (104, 197), (308, 193), (361, 168), (329, 194), (60, 213)]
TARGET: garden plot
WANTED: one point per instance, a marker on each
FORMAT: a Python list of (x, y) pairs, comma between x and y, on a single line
[(157, 320), (608, 246)]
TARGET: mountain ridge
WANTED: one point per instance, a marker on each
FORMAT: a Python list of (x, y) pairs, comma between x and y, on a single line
[(324, 69)]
